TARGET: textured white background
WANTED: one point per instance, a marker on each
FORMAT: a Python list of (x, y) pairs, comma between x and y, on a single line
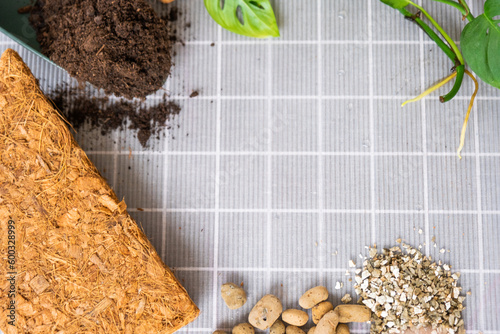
[(297, 148)]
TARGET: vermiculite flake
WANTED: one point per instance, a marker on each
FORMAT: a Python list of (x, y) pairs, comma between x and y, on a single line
[(406, 290)]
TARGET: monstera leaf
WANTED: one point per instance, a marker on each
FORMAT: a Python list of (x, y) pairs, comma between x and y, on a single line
[(253, 18), (397, 4), (480, 43)]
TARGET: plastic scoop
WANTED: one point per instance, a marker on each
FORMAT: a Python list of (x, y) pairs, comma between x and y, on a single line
[(18, 27)]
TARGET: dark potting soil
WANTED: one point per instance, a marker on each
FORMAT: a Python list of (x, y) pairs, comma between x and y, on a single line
[(108, 115), (120, 46)]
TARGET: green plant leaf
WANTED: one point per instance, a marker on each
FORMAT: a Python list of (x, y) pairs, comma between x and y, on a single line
[(257, 17), (480, 43), (397, 4)]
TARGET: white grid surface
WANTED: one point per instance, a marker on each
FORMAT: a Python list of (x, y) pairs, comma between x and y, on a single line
[(296, 149)]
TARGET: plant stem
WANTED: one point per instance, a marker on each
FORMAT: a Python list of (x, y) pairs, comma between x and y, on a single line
[(467, 10), (458, 82), (461, 7), (459, 73), (441, 31), (432, 35)]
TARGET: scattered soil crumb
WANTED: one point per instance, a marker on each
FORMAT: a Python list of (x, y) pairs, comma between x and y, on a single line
[(109, 115), (171, 17), (194, 94)]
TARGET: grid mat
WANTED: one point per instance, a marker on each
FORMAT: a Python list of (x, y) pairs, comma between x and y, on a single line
[(297, 154)]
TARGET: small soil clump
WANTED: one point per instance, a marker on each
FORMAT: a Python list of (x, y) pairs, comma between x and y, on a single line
[(121, 46), (108, 115)]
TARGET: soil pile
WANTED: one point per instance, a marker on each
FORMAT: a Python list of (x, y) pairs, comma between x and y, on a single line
[(121, 46)]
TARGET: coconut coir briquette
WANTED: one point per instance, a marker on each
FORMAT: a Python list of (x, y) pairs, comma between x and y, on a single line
[(81, 263), (121, 46)]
